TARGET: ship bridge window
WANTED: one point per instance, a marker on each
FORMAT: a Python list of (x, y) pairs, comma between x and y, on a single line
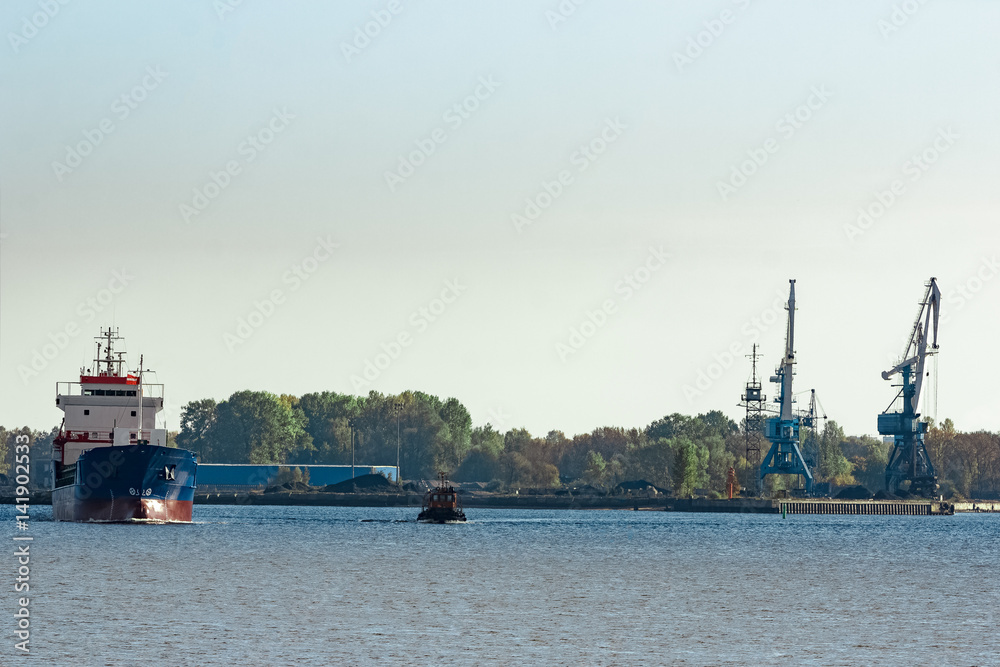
[(120, 392), (88, 392), (98, 392), (86, 412), (133, 413), (131, 393)]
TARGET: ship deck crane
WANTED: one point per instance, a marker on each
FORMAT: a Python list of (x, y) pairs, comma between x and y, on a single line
[(909, 460), (785, 457)]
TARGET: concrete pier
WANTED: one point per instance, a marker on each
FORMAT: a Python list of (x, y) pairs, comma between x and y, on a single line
[(814, 506)]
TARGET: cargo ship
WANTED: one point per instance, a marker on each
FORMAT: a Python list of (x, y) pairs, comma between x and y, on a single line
[(111, 463)]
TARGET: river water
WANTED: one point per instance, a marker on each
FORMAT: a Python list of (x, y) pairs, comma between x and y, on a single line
[(348, 586)]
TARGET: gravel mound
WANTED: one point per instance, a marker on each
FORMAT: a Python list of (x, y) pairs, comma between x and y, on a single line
[(858, 492), (366, 483), (289, 486), (637, 485)]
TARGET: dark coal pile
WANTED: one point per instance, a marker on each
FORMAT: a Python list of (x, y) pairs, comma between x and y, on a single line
[(858, 492), (884, 495), (413, 487), (363, 484), (639, 485), (289, 486)]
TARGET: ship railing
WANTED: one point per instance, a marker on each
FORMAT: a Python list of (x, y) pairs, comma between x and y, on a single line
[(149, 390), (93, 436)]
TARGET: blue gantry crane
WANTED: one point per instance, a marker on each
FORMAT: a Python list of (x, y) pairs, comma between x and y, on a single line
[(909, 460), (784, 457)]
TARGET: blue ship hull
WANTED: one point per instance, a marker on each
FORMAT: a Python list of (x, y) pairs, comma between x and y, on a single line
[(135, 483)]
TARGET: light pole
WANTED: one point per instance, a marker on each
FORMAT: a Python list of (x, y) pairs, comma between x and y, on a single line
[(398, 407), (352, 422)]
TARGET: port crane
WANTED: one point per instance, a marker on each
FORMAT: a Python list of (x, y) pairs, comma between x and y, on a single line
[(785, 457), (815, 413), (909, 460)]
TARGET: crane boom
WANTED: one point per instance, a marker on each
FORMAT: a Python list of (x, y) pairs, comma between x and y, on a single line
[(789, 359)]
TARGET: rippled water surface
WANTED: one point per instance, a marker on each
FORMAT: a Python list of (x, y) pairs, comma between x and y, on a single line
[(320, 586)]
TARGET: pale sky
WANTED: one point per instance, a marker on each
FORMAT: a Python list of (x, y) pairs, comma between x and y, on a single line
[(267, 198)]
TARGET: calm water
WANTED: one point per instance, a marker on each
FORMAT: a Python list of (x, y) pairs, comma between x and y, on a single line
[(318, 586)]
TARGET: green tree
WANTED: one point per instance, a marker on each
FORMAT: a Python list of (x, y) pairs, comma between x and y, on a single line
[(514, 467), (720, 460), (197, 422), (868, 457), (832, 465), (6, 449), (459, 423), (327, 414), (690, 466), (718, 424), (482, 463), (255, 427), (596, 469), (675, 425), (651, 461)]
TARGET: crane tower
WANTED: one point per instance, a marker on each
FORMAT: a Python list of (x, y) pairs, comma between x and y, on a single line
[(909, 460), (753, 426), (784, 457)]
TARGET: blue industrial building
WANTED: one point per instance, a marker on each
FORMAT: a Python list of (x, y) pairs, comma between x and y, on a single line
[(214, 477)]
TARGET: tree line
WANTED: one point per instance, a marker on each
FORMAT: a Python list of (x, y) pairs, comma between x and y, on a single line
[(680, 453)]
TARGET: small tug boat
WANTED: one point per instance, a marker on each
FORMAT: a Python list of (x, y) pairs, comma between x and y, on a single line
[(441, 504)]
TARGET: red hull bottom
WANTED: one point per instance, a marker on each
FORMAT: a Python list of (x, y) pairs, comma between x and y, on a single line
[(67, 508)]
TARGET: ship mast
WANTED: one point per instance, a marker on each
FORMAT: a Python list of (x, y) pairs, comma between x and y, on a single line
[(108, 366), (138, 439)]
